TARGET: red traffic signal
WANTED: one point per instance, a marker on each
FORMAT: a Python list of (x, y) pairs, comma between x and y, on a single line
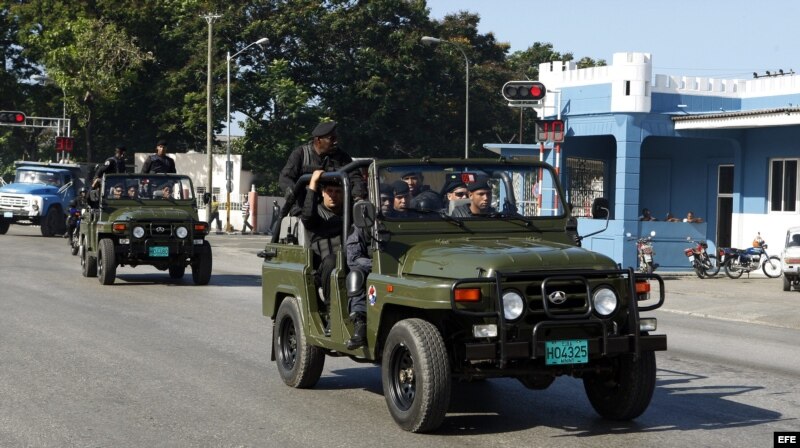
[(523, 91), (12, 117)]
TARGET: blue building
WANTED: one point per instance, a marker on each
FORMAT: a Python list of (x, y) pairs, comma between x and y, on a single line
[(724, 149)]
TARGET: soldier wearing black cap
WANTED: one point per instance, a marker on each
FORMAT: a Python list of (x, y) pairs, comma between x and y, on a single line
[(387, 199), (401, 199), (159, 162), (480, 201), (113, 164), (321, 153)]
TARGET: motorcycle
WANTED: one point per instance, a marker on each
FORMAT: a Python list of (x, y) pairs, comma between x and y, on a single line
[(704, 265), (645, 253), (747, 260), (73, 239)]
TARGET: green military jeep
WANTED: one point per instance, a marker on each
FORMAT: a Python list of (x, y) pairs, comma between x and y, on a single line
[(138, 219), (467, 290)]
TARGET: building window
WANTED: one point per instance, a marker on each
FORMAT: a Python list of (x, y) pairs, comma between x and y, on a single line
[(783, 185), (585, 183)]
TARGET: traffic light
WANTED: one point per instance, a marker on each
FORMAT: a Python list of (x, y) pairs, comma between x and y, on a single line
[(12, 117), (523, 91)]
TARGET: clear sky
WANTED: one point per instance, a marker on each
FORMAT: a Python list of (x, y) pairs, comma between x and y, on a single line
[(711, 38)]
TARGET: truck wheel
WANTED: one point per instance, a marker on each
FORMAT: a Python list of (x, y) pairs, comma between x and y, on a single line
[(415, 373), (625, 393), (51, 221), (106, 262), (4, 227), (772, 267), (201, 268), (787, 284), (299, 364), (88, 263), (176, 271)]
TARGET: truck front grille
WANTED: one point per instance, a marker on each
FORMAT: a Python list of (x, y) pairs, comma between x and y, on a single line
[(13, 202)]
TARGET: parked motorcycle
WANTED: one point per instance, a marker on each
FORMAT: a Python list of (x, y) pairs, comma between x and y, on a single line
[(704, 265), (750, 259), (645, 253)]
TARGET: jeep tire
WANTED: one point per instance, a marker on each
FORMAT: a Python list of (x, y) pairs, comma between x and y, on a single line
[(201, 267), (4, 225), (787, 283), (415, 373), (106, 262), (88, 263), (625, 392), (299, 364), (177, 271)]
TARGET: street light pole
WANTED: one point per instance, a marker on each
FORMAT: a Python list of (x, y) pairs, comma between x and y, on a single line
[(428, 40), (209, 138), (228, 168)]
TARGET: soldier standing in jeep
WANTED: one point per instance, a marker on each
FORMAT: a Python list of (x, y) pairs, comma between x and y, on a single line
[(321, 153)]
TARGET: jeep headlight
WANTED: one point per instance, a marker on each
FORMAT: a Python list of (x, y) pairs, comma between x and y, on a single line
[(605, 301), (138, 232), (513, 305), (182, 232)]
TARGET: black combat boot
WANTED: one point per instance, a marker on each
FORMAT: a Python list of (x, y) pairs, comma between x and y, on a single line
[(359, 338)]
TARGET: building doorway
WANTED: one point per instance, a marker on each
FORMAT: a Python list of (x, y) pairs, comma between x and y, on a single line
[(724, 205)]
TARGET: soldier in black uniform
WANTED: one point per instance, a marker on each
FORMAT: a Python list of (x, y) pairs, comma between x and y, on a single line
[(113, 164), (322, 217), (159, 162), (321, 153)]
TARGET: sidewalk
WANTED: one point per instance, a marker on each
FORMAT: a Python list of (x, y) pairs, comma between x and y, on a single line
[(757, 299)]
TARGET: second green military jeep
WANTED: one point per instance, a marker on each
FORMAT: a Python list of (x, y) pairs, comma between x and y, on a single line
[(465, 289), (138, 219)]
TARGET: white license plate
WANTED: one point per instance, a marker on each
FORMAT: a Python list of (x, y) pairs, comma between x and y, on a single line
[(648, 258), (691, 259), (8, 214)]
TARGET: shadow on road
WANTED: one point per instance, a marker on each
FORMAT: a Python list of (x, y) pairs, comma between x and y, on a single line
[(163, 279), (504, 405)]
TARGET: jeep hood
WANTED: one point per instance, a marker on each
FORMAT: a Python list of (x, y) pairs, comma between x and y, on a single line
[(153, 213), (461, 258), (34, 189)]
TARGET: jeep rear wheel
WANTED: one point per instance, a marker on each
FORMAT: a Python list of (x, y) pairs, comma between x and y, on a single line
[(624, 393), (201, 268), (4, 227), (106, 262), (176, 271), (415, 372), (88, 263), (299, 364)]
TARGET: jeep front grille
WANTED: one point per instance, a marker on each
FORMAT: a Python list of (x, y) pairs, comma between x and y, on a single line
[(160, 229)]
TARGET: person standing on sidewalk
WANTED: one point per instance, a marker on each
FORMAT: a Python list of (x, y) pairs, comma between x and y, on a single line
[(214, 215), (246, 217)]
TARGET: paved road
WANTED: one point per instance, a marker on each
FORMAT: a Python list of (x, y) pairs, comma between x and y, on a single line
[(154, 362)]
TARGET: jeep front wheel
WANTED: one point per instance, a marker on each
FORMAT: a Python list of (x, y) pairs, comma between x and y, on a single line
[(625, 392), (299, 364), (201, 267), (106, 262), (415, 372), (176, 271), (88, 263), (4, 227)]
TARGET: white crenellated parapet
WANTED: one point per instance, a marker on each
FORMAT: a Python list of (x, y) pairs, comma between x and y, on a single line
[(629, 76)]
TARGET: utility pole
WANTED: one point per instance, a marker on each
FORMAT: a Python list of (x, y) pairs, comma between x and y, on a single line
[(210, 18)]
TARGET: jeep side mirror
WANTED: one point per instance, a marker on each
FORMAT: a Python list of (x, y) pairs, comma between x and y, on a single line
[(363, 214), (206, 198)]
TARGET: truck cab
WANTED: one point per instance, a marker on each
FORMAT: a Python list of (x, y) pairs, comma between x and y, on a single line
[(40, 194)]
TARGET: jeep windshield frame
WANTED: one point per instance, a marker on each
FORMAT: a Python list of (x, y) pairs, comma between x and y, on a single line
[(147, 188), (517, 190)]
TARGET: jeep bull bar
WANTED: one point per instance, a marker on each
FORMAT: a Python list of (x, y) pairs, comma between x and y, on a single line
[(503, 350)]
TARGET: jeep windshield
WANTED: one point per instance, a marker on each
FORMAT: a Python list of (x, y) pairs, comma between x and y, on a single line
[(37, 177), (469, 191), (148, 188)]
